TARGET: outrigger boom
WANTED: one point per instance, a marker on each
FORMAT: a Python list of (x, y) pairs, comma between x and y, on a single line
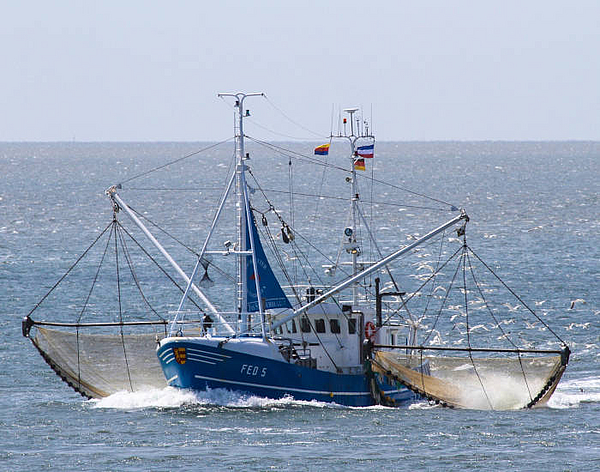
[(112, 193)]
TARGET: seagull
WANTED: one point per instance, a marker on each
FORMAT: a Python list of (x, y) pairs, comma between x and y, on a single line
[(577, 300), (512, 308)]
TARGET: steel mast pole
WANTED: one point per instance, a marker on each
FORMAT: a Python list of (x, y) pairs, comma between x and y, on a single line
[(242, 307), (354, 203)]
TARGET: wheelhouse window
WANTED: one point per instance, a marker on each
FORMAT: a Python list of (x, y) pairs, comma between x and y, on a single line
[(352, 325), (320, 325), (294, 327), (334, 326), (304, 325)]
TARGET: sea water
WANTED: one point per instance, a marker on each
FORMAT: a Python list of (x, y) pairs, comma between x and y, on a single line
[(535, 215)]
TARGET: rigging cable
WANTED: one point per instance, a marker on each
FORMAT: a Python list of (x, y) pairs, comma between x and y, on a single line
[(277, 133), (133, 273), (470, 352), (162, 269), (119, 300), (333, 197), (272, 207), (272, 246), (188, 248), (69, 270), (319, 196), (291, 186), (300, 156), (421, 287), (398, 187), (517, 296), (175, 161), (297, 155), (290, 120), (85, 304), (372, 235), (436, 270), (504, 335)]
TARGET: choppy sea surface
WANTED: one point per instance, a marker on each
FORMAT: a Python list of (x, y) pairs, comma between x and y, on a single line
[(535, 216)]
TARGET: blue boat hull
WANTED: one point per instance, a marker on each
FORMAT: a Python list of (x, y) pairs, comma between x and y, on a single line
[(201, 366)]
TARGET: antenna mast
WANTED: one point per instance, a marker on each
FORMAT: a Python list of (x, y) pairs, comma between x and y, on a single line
[(243, 214), (350, 241)]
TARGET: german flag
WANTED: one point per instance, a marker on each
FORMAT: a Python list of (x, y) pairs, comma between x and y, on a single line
[(359, 164)]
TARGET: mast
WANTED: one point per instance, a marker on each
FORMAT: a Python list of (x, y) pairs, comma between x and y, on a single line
[(242, 210), (354, 203), (352, 244)]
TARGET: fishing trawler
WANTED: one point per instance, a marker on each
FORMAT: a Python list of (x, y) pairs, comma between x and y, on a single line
[(353, 341)]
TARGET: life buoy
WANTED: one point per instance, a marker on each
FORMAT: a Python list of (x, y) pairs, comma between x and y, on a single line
[(369, 330)]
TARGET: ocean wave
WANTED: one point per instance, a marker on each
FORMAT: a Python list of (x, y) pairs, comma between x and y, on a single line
[(572, 393), (170, 397)]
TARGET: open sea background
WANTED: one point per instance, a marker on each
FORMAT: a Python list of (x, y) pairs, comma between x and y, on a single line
[(535, 217)]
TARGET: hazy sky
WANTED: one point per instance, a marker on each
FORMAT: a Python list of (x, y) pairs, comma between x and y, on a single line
[(428, 70)]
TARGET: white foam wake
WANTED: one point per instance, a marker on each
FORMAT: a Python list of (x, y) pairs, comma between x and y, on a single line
[(170, 397), (570, 394)]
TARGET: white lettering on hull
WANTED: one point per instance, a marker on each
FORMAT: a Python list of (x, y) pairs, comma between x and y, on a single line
[(253, 370)]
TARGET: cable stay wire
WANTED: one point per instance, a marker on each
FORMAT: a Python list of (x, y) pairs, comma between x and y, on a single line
[(161, 268), (319, 135), (85, 303), (332, 197), (129, 261), (466, 298), (276, 133), (191, 250), (70, 269), (514, 294), (150, 171), (413, 294), (404, 189), (310, 159), (297, 155), (504, 334)]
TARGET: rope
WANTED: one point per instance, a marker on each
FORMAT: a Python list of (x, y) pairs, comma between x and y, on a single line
[(504, 335), (188, 248), (319, 135), (133, 273), (517, 296), (120, 305), (85, 304), (175, 161), (162, 269), (464, 274), (69, 270)]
